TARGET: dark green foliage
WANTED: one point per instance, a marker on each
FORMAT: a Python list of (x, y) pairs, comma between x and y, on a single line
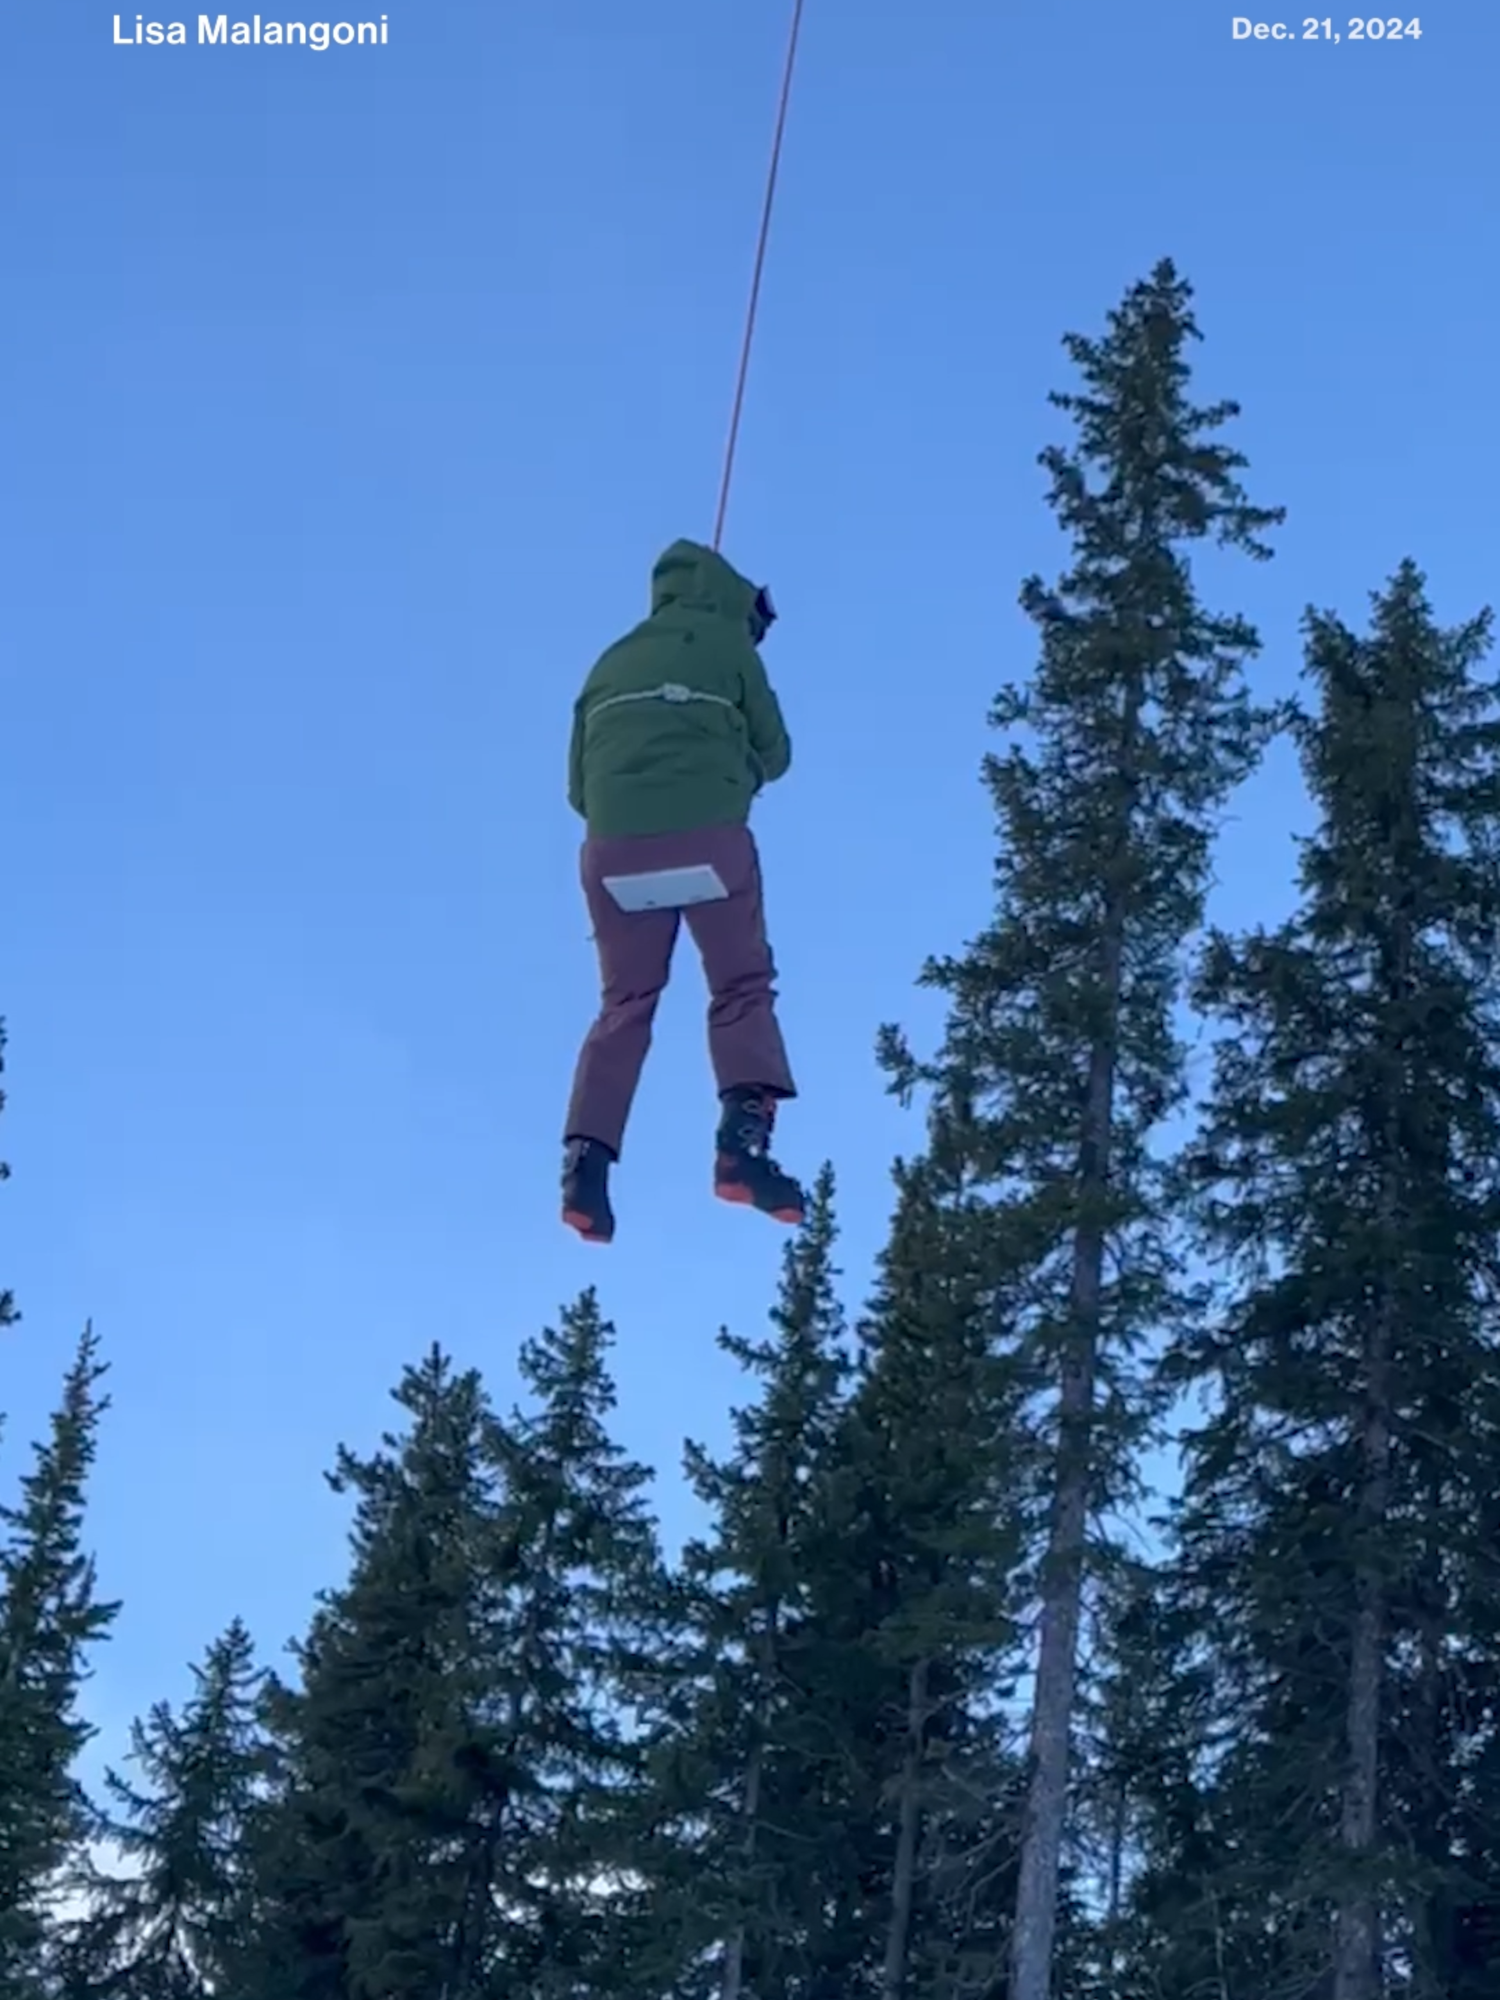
[(1348, 1180), (838, 1782), (924, 1486), (455, 1759), (1144, 1818), (1059, 1060), (751, 1778), (50, 1616), (1135, 728), (385, 1760), (174, 1922), (586, 1648)]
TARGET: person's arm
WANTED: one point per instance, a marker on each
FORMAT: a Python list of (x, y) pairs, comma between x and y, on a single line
[(769, 741), (575, 763)]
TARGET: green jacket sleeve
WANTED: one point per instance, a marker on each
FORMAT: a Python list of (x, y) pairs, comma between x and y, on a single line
[(575, 763), (763, 718)]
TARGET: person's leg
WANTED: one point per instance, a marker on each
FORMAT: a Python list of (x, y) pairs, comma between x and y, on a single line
[(635, 962), (745, 1041), (744, 1037)]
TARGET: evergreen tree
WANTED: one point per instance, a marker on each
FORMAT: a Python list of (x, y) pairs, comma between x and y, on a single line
[(1148, 1803), (746, 1777), (924, 1509), (175, 1925), (837, 1789), (50, 1616), (386, 1760), (1059, 1060), (588, 1636), (1336, 1538), (457, 1759)]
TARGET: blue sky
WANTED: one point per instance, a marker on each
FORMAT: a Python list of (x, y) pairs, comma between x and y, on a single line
[(350, 398)]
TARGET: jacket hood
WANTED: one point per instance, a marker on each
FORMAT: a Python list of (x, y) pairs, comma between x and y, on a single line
[(697, 578)]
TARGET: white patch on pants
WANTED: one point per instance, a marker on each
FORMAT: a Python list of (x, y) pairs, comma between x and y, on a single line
[(667, 888)]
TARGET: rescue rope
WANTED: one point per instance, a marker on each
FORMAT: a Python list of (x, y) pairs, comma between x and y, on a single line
[(760, 262)]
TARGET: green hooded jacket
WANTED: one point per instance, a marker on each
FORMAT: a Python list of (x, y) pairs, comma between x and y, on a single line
[(677, 725)]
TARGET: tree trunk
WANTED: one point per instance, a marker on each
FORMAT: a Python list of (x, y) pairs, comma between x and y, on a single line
[(732, 1983), (1356, 1949), (1052, 1710), (1432, 1918), (903, 1880), (1356, 1963), (1119, 1827), (1035, 1929)]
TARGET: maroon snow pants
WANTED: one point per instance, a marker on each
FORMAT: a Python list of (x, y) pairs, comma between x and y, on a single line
[(635, 961)]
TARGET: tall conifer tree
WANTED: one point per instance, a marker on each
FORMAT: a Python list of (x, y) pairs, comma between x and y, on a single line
[(586, 1643), (928, 1477), (51, 1616), (174, 1922), (751, 1778), (1340, 1519), (1060, 1058), (460, 1758), (385, 1760)]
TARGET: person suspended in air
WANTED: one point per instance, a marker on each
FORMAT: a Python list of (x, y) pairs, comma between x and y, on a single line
[(676, 731)]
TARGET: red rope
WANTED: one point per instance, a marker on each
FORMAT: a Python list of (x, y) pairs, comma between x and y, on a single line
[(760, 261)]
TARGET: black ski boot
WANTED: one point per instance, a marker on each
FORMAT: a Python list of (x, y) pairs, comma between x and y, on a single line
[(744, 1171), (585, 1190)]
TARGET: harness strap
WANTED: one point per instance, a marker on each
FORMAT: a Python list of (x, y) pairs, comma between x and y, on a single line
[(672, 691)]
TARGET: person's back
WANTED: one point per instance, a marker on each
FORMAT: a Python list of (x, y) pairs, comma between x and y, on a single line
[(675, 732), (677, 726)]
